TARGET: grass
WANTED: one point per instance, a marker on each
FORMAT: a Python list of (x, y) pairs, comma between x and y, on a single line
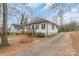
[(75, 41), (21, 42), (17, 43)]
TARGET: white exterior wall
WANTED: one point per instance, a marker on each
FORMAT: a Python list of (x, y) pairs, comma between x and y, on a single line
[(15, 30), (42, 30), (25, 29), (46, 31), (52, 31)]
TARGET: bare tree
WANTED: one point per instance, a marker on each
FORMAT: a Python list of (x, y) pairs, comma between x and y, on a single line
[(13, 10), (4, 40), (72, 26), (23, 22), (22, 19), (60, 9)]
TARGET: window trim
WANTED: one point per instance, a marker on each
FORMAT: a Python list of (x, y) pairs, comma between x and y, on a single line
[(33, 27), (43, 26), (52, 26), (37, 26)]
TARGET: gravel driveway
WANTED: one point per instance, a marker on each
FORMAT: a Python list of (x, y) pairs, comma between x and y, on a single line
[(59, 45)]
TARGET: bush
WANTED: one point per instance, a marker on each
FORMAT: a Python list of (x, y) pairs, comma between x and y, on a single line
[(21, 33), (29, 33), (8, 33), (39, 34)]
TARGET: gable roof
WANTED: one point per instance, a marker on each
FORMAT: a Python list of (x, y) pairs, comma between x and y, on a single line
[(16, 26), (39, 20)]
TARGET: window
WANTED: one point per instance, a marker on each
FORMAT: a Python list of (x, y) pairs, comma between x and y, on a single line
[(43, 26), (18, 29), (52, 26), (56, 26), (33, 27), (37, 26), (28, 27)]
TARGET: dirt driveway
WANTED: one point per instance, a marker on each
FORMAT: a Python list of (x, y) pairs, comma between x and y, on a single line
[(60, 45)]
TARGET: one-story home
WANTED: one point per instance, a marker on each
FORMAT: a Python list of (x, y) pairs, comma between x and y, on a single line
[(16, 28), (42, 25)]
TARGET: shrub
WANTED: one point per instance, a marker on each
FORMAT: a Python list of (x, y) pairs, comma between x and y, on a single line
[(29, 33), (39, 34), (20, 33), (34, 33), (8, 33)]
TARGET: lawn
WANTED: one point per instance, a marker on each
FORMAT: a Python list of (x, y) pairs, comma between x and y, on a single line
[(75, 41), (17, 43), (20, 42)]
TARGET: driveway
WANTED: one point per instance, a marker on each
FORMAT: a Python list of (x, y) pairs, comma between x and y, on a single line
[(59, 45)]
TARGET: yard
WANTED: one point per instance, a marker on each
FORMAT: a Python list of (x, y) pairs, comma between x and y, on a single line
[(75, 41), (64, 44), (59, 44), (19, 43)]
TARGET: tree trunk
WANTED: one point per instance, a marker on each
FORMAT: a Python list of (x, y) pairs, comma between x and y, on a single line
[(33, 29), (4, 40), (61, 20), (47, 29), (21, 23)]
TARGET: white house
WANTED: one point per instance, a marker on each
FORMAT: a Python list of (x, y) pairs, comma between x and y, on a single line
[(15, 28), (42, 25)]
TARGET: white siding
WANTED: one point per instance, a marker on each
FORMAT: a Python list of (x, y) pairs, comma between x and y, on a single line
[(15, 30), (40, 29), (46, 31), (50, 30)]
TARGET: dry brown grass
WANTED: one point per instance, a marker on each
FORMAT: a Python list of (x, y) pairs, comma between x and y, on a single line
[(17, 43), (23, 42), (75, 41)]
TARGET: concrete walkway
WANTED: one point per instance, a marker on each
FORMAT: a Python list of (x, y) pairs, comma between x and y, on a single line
[(59, 45)]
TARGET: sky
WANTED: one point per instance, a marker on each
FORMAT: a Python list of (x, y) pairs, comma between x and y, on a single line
[(40, 9)]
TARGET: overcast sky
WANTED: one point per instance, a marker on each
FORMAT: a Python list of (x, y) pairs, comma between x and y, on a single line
[(41, 9)]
